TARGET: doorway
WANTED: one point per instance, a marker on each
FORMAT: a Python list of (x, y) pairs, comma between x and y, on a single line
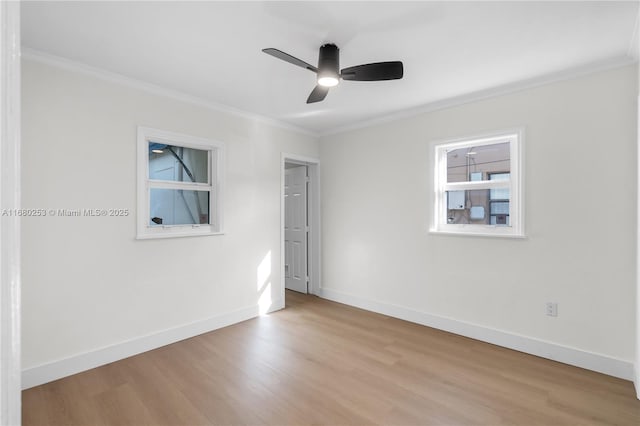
[(296, 227), (300, 224)]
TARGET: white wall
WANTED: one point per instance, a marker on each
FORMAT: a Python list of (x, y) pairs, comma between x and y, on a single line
[(87, 283), (580, 198)]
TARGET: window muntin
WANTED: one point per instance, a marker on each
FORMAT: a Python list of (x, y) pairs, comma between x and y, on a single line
[(477, 186), (179, 185)]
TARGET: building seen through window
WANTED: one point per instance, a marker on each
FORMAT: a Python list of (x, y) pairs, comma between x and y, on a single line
[(479, 163)]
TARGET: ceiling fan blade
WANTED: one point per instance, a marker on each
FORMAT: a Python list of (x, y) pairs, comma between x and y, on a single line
[(318, 94), (288, 58), (374, 72)]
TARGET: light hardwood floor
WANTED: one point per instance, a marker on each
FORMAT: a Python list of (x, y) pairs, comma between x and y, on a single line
[(323, 363)]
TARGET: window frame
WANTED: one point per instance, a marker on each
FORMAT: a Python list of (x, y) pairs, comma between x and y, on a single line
[(515, 137), (214, 186)]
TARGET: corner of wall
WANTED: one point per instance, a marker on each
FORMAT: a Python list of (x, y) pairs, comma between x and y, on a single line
[(82, 362), (544, 349)]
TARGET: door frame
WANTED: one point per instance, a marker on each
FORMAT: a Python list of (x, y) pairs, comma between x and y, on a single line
[(10, 310), (313, 212), (297, 273)]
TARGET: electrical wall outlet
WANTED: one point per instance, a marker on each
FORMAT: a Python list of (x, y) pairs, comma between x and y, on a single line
[(551, 309)]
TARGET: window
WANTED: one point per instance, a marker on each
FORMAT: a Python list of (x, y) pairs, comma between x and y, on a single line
[(179, 185), (499, 201), (478, 187)]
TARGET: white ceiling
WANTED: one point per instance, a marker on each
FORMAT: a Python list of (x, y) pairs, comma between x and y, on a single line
[(212, 50)]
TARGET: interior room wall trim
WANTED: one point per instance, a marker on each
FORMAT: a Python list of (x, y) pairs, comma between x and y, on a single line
[(634, 51), (567, 355), (493, 92), (57, 61), (636, 378), (70, 65), (10, 186), (85, 361)]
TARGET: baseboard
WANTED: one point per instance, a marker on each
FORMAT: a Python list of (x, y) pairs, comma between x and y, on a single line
[(636, 381), (45, 373), (567, 355)]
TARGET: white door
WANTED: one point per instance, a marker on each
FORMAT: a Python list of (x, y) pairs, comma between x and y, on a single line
[(295, 228)]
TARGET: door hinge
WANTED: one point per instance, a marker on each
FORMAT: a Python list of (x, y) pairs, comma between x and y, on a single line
[(307, 179), (306, 228), (307, 278)]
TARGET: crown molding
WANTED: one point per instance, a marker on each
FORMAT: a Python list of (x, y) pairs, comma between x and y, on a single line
[(612, 63), (71, 65), (59, 62)]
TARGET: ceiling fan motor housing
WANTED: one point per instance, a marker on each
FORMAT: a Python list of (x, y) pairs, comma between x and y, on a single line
[(329, 74), (329, 61)]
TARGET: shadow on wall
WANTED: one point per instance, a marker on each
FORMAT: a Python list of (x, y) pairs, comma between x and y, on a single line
[(264, 284)]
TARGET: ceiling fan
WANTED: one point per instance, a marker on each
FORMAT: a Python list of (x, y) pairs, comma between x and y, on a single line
[(329, 73)]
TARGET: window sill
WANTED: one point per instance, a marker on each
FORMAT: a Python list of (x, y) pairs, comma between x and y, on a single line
[(478, 234), (176, 235)]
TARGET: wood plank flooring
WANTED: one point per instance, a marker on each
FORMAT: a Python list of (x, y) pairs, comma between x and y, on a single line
[(322, 363)]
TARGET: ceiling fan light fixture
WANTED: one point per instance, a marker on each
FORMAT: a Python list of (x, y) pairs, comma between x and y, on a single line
[(329, 65), (328, 80)]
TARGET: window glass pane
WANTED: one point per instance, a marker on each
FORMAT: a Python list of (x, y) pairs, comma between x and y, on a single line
[(476, 207), (179, 207), (475, 176), (499, 176), (478, 163), (499, 207), (177, 163), (499, 193), (500, 220)]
